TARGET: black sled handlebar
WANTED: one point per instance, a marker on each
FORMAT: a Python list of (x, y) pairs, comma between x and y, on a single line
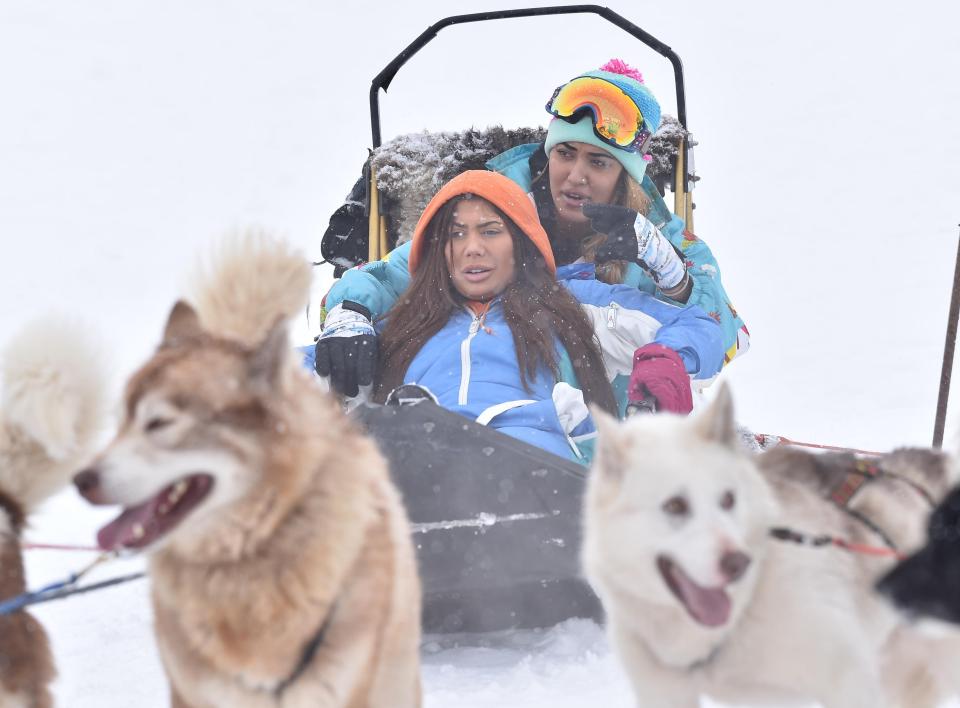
[(383, 79)]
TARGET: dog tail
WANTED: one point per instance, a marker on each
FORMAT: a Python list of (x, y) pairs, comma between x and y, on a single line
[(254, 280), (54, 407)]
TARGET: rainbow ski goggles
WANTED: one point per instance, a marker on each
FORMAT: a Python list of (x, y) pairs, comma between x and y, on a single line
[(617, 120)]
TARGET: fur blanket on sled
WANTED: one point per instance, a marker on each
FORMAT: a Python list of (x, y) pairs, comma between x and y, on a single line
[(411, 168)]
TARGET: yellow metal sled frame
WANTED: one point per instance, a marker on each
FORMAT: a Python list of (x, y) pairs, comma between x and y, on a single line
[(377, 246)]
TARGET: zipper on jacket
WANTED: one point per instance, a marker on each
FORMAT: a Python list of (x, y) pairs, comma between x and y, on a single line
[(612, 315), (465, 359)]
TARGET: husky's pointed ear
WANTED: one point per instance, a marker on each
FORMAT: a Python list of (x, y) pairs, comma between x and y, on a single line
[(267, 360), (182, 323), (717, 422), (612, 445)]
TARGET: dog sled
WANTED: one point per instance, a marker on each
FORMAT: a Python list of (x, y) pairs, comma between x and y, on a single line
[(496, 521)]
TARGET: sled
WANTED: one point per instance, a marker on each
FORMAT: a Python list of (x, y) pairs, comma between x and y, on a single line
[(496, 521)]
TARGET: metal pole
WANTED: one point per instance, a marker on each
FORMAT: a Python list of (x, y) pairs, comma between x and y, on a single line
[(948, 349)]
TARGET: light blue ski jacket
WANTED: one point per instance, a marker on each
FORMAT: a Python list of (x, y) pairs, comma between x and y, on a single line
[(471, 365)]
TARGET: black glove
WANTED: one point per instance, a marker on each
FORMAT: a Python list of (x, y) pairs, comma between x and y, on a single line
[(617, 222), (346, 351), (344, 243), (633, 237)]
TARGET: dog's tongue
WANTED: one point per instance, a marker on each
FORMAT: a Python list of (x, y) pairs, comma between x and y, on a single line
[(708, 606), (134, 528), (139, 526)]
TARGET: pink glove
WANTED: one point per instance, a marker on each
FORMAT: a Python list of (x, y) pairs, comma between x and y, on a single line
[(658, 371)]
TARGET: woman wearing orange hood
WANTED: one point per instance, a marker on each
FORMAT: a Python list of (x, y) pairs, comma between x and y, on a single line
[(488, 329)]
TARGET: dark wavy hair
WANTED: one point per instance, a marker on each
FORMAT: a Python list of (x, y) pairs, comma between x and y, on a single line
[(537, 308)]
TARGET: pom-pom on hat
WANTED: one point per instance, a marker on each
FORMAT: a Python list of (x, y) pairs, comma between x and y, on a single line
[(630, 81), (505, 194)]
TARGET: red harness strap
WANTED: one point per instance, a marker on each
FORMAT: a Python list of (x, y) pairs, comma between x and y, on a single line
[(766, 441), (805, 539)]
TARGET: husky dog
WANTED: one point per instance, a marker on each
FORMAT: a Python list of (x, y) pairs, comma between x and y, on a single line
[(703, 599), (281, 564), (53, 406)]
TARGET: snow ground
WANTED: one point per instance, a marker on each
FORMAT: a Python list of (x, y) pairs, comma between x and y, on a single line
[(134, 133)]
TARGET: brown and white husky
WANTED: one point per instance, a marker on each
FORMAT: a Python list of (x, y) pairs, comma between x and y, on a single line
[(281, 564)]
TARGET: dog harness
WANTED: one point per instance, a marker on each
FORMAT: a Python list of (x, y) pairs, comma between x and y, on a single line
[(865, 471), (861, 472), (309, 651)]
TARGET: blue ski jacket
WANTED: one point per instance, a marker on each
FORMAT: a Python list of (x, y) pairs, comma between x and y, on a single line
[(471, 364)]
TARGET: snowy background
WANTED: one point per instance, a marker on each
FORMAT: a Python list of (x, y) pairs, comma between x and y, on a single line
[(133, 134)]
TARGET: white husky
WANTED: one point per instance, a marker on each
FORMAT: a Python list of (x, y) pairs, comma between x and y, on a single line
[(702, 600)]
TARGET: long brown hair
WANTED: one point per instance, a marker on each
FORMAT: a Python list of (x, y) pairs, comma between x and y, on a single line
[(536, 308), (628, 193)]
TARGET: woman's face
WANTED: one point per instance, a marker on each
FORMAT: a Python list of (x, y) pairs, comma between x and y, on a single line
[(581, 173), (479, 251)]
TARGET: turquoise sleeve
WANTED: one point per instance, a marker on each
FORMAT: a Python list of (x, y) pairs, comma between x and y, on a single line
[(376, 286), (708, 293)]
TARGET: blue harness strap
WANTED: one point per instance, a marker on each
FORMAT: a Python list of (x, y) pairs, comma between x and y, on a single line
[(63, 588)]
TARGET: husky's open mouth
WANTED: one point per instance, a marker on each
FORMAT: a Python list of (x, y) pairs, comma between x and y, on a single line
[(141, 525), (708, 606)]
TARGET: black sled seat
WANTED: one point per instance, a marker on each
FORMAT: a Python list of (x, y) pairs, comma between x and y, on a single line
[(496, 521)]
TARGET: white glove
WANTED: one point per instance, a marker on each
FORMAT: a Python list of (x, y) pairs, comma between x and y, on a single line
[(657, 255), (571, 408)]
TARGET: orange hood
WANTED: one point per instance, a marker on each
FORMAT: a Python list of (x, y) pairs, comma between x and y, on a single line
[(503, 193)]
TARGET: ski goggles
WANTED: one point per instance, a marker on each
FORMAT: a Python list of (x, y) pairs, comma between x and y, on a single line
[(617, 119)]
